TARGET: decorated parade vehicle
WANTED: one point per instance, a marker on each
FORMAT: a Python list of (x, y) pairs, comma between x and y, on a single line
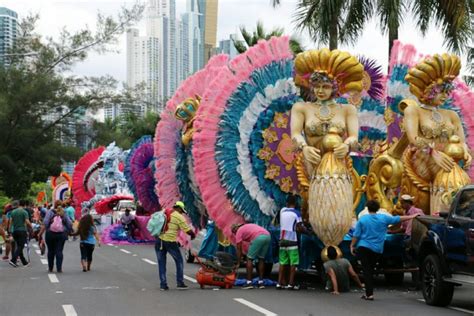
[(242, 135)]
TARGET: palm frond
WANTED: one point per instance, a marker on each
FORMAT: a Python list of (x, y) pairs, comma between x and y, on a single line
[(358, 14)]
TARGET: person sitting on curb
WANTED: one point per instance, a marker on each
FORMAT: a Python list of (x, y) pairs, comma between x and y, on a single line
[(254, 241), (339, 271)]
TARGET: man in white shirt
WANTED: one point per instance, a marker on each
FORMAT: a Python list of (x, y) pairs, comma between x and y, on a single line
[(290, 224), (128, 222)]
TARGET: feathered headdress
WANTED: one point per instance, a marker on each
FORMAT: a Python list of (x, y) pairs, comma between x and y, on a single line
[(432, 75), (343, 69)]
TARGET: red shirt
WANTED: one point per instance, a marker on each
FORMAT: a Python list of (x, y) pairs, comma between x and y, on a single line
[(247, 233), (407, 224)]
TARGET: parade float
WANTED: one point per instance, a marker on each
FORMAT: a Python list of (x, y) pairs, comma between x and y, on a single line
[(240, 136)]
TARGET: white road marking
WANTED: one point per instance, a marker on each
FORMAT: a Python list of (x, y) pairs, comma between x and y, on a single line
[(53, 278), (149, 261), (109, 244), (59, 292), (253, 306), (134, 255), (459, 309), (190, 279), (38, 251), (44, 261), (69, 310), (126, 251), (35, 245)]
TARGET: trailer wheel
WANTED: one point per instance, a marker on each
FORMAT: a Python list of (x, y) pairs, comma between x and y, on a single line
[(435, 291)]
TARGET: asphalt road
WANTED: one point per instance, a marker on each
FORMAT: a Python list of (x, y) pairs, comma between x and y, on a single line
[(124, 281)]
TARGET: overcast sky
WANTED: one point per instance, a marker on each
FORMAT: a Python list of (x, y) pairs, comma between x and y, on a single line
[(75, 14)]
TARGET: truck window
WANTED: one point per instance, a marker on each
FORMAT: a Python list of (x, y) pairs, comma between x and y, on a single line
[(466, 204)]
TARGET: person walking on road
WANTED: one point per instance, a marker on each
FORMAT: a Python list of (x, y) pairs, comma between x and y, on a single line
[(254, 241), (89, 237), (19, 224), (57, 226), (167, 243), (369, 238), (339, 272)]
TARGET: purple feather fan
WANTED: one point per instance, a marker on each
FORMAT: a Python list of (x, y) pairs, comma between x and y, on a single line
[(376, 89), (140, 173)]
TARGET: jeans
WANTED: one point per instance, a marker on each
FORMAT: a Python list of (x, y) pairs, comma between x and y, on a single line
[(161, 249), (86, 251), (55, 243), (20, 239), (368, 259)]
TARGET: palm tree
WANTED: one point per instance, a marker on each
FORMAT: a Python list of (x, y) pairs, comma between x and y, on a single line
[(251, 39), (333, 21)]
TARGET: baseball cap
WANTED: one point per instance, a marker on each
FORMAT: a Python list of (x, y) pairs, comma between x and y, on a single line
[(407, 197), (180, 204)]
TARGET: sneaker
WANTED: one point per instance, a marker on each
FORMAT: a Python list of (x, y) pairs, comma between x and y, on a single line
[(26, 265), (182, 287), (279, 286), (13, 264), (248, 285), (293, 287), (164, 288), (261, 285)]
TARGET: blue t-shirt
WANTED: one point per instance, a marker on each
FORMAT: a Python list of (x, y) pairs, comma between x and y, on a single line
[(371, 229), (90, 238)]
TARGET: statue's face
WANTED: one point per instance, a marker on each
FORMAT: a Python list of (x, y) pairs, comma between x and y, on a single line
[(440, 98), (323, 90)]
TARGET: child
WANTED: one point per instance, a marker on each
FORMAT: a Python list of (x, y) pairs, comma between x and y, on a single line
[(89, 236)]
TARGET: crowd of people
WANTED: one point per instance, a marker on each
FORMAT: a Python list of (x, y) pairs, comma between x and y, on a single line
[(53, 226)]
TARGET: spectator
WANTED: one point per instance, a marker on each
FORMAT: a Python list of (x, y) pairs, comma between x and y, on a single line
[(339, 271), (57, 226), (19, 223), (369, 237), (253, 241), (167, 243), (290, 224), (89, 237), (9, 244), (70, 211), (128, 222), (406, 202)]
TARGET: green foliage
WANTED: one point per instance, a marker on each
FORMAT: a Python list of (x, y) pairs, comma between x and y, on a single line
[(37, 187), (251, 39), (126, 130), (38, 96)]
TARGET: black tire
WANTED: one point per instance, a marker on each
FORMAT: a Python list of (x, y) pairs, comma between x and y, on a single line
[(435, 291), (394, 279), (189, 257)]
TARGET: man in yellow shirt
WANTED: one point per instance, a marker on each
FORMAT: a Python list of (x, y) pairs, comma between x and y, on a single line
[(167, 243)]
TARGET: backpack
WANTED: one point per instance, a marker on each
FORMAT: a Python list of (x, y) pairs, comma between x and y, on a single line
[(158, 222), (57, 225)]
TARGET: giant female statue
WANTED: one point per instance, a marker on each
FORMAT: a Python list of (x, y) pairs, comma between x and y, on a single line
[(324, 130), (425, 161)]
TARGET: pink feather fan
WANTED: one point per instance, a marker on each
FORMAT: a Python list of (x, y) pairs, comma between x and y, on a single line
[(214, 102)]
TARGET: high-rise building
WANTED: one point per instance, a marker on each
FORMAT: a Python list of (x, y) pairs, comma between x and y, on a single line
[(9, 31), (192, 44), (227, 46), (208, 27)]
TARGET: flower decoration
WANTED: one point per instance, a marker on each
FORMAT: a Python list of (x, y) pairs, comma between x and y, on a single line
[(270, 136), (272, 172), (286, 184), (265, 153), (281, 120)]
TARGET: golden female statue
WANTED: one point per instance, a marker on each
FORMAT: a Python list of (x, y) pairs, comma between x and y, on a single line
[(186, 112), (432, 144), (324, 131)]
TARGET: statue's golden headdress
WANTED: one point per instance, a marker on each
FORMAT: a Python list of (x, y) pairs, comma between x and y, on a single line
[(341, 68), (437, 71), (186, 110)]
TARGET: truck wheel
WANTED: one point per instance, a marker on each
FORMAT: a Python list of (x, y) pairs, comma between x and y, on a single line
[(435, 291), (189, 257)]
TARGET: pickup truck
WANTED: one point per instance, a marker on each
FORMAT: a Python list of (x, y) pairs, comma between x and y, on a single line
[(444, 248)]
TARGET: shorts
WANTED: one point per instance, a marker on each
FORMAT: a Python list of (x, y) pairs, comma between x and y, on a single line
[(259, 247), (289, 256)]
